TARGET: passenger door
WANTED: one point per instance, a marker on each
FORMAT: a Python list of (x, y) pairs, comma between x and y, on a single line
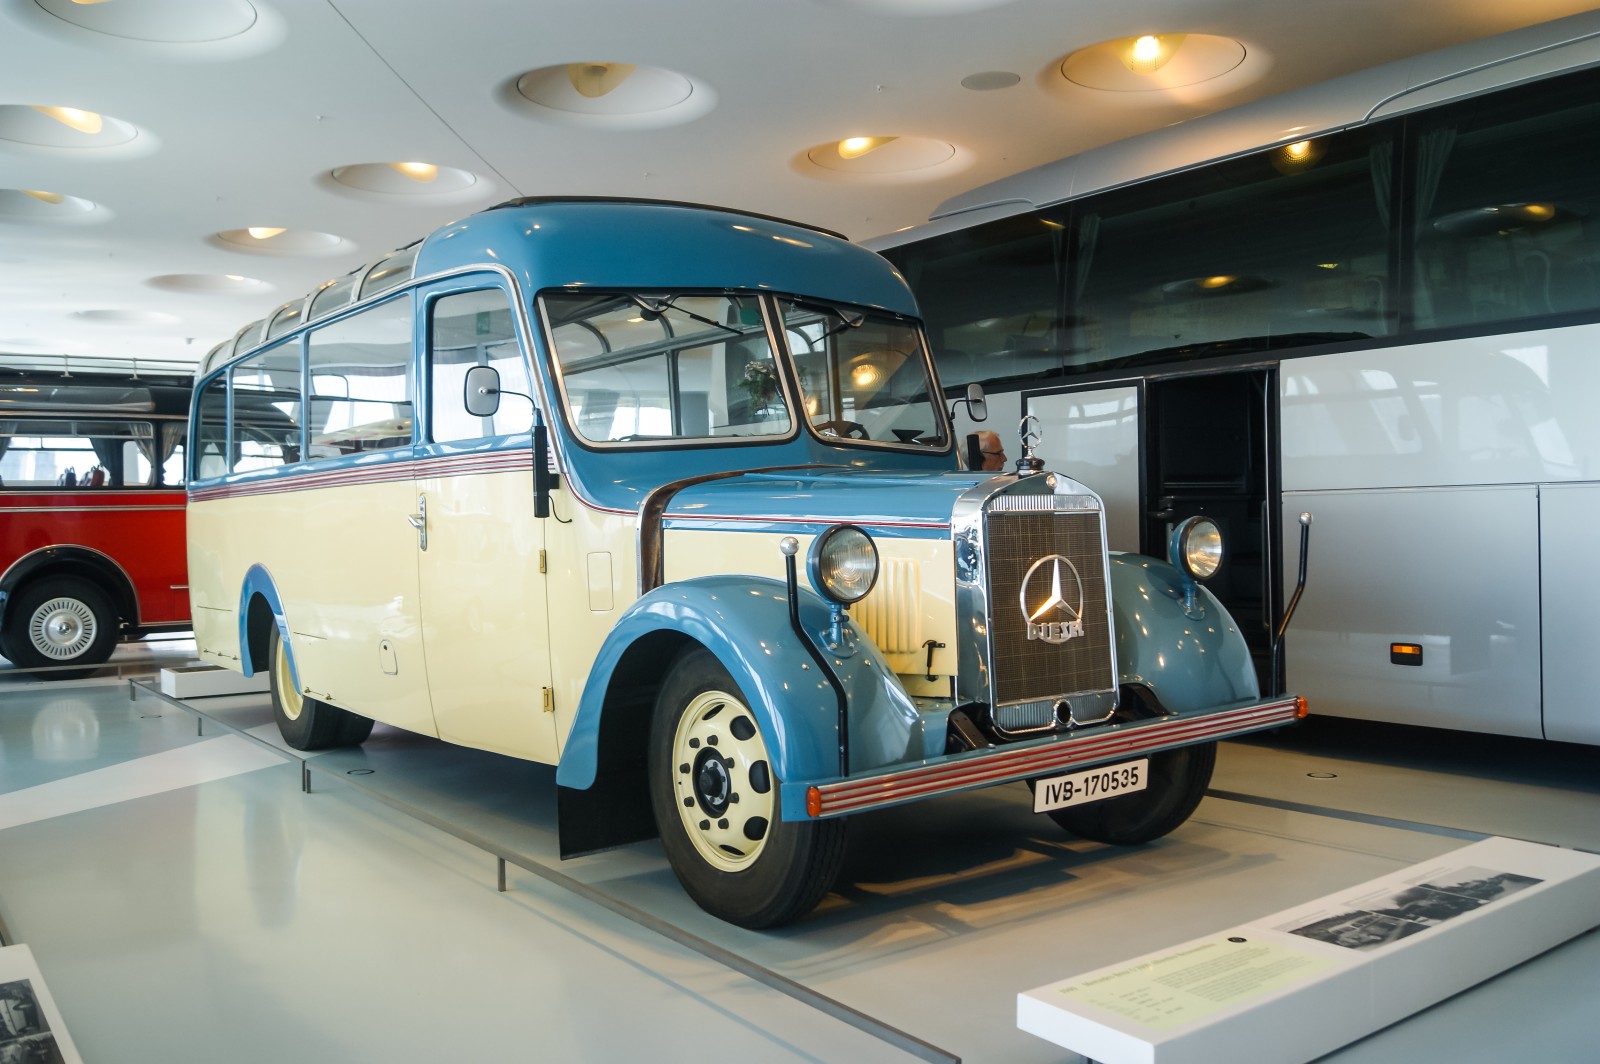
[(485, 621)]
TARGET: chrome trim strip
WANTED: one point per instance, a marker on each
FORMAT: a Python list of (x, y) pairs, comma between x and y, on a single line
[(1003, 765)]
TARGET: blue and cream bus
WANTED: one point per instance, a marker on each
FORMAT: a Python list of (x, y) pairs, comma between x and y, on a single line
[(1376, 300), (544, 484)]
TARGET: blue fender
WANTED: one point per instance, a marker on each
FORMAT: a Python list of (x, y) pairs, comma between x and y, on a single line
[(259, 582), (1189, 659), (744, 621)]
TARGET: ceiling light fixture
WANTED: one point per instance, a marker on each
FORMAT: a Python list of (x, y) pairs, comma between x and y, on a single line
[(1149, 53), (83, 121), (856, 147), (422, 173), (263, 232), (52, 198), (1298, 156), (594, 80)]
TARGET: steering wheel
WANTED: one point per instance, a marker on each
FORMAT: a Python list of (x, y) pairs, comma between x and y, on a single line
[(850, 430)]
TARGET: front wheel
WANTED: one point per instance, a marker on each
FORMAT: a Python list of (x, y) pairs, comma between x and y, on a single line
[(1178, 780), (60, 620), (717, 805), (308, 723)]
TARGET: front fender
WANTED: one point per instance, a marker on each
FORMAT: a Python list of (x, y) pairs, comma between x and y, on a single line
[(744, 621), (1187, 661)]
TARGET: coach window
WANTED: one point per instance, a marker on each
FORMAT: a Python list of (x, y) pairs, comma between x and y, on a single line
[(266, 409), (211, 429), (469, 329), (1505, 201), (1283, 248), (361, 382)]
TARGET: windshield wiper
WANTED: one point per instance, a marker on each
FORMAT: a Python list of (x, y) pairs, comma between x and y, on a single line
[(654, 307)]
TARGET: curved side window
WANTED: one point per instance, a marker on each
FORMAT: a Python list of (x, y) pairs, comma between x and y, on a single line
[(361, 382)]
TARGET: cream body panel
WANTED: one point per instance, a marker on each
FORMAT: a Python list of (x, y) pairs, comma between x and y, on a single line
[(1506, 409), (901, 612), (214, 581), (577, 629), (348, 579), (485, 626), (344, 561)]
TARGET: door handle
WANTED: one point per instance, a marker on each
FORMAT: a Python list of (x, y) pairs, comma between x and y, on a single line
[(419, 521)]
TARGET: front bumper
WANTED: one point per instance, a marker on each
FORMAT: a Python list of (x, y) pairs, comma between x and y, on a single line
[(1003, 764)]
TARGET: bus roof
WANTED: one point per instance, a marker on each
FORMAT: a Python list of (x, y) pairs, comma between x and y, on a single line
[(1341, 103)]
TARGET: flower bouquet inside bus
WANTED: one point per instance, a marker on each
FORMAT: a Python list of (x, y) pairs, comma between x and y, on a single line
[(668, 496)]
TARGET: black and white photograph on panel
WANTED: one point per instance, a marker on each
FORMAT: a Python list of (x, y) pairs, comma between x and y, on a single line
[(25, 1036)]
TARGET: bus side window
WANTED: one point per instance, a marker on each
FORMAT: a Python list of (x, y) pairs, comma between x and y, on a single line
[(469, 329), (266, 409), (361, 387), (211, 430)]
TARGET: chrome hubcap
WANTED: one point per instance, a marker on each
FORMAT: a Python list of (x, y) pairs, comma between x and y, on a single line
[(62, 628)]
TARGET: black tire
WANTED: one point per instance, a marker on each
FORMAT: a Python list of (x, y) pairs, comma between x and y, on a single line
[(1178, 780), (60, 620), (308, 723), (717, 806)]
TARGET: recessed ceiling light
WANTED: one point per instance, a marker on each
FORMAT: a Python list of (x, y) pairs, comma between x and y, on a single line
[(856, 147), (55, 126), (419, 180), (610, 95), (882, 157), (38, 205), (208, 283), (1152, 62), (595, 80), (275, 241), (126, 317), (88, 122), (188, 22)]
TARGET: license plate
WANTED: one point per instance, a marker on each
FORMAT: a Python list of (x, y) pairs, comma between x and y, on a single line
[(1091, 785)]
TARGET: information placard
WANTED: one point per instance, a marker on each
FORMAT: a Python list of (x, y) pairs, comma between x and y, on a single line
[(30, 1026), (1303, 982)]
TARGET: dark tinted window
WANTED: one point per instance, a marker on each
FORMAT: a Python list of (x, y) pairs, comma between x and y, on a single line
[(1506, 195)]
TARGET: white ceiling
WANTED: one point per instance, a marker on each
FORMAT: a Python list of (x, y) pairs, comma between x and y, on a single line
[(244, 131)]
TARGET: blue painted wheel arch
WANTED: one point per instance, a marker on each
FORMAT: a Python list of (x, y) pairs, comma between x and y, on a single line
[(259, 582), (1187, 662), (744, 621)]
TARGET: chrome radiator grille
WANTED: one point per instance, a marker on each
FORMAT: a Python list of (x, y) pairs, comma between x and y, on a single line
[(1049, 634)]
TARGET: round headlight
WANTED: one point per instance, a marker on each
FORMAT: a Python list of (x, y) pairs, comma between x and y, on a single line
[(843, 564), (1196, 547)]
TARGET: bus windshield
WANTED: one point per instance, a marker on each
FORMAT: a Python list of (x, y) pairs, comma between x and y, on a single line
[(863, 375)]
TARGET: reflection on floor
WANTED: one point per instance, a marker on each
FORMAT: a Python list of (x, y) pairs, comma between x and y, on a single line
[(187, 902)]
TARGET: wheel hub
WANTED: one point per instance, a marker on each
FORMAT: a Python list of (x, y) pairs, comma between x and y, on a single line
[(713, 784), (62, 628)]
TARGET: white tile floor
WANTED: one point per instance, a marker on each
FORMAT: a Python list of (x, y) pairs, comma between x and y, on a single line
[(187, 902)]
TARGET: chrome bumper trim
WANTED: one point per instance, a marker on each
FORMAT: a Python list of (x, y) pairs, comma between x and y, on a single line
[(1006, 764)]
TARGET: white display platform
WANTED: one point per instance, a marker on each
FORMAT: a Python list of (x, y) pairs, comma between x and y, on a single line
[(1301, 983), (30, 1024), (205, 681)]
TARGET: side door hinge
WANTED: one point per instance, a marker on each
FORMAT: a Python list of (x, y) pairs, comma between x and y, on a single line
[(549, 696), (542, 566)]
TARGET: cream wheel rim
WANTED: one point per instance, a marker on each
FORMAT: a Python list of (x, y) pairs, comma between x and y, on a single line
[(289, 701), (722, 781)]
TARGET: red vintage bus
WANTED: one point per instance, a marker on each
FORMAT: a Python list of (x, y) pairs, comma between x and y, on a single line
[(91, 507)]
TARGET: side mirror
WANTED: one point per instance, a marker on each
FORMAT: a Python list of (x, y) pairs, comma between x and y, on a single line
[(977, 406), (482, 391)]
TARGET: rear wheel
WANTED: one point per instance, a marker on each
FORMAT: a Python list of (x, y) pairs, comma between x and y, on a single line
[(1178, 780), (718, 808), (308, 723), (60, 620)]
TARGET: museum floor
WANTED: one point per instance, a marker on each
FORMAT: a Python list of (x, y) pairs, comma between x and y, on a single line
[(187, 901)]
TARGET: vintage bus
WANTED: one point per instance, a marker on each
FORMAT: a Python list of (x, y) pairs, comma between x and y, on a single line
[(91, 507), (1376, 300), (543, 482)]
